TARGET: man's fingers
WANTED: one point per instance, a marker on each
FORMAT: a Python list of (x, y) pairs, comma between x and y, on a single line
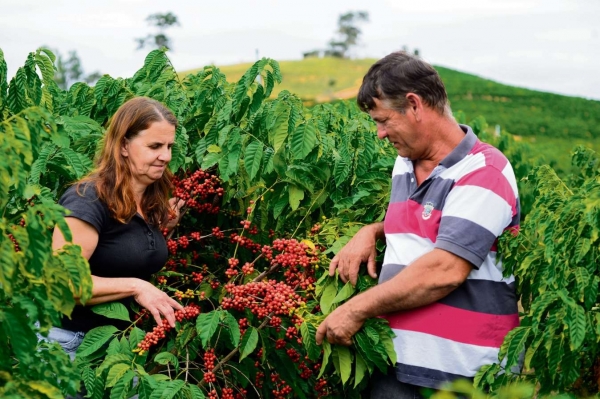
[(321, 333), (333, 265), (372, 266)]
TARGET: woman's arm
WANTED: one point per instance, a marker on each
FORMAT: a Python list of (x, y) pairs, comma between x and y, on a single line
[(106, 289)]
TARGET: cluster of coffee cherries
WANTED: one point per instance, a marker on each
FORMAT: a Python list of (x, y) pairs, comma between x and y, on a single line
[(244, 242), (181, 242), (196, 189), (159, 332), (15, 243), (262, 298), (282, 389)]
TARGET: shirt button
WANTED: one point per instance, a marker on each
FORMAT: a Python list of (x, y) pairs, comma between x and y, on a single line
[(149, 233), (152, 243)]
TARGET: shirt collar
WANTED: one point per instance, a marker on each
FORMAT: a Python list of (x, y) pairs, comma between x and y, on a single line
[(462, 149)]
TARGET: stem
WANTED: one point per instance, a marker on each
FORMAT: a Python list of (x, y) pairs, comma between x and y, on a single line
[(307, 212), (187, 363), (235, 351)]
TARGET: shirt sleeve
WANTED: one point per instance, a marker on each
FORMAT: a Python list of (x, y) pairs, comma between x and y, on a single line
[(83, 203), (480, 206)]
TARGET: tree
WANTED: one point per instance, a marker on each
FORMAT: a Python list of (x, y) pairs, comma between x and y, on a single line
[(160, 39), (69, 71), (347, 33)]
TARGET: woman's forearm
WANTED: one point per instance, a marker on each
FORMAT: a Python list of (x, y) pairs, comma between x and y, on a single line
[(106, 289)]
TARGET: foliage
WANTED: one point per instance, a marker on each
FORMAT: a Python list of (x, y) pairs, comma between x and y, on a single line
[(159, 39), (555, 259), (36, 284), (296, 165), (548, 122)]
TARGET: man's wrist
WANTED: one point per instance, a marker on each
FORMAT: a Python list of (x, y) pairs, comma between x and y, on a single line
[(377, 230)]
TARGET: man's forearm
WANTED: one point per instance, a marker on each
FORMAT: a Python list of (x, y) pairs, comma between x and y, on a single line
[(428, 279)]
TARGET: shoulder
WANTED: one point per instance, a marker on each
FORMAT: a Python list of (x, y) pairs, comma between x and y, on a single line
[(85, 191), (82, 202), (489, 156)]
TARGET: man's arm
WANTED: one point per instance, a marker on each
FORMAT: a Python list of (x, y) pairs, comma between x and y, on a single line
[(361, 248), (426, 280)]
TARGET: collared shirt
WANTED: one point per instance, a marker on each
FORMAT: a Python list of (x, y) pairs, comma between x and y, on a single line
[(469, 200)]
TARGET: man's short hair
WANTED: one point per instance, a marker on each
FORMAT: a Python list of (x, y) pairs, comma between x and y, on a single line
[(391, 78)]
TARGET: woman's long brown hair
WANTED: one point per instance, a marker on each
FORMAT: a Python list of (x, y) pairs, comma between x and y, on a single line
[(112, 177)]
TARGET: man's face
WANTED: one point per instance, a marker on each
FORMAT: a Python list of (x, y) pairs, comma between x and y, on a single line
[(399, 128)]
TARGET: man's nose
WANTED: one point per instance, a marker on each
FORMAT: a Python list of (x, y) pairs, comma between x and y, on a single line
[(381, 133)]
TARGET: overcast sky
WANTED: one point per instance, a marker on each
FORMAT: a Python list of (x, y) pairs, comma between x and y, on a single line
[(550, 45)]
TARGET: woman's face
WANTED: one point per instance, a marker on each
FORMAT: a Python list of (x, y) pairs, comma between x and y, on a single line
[(148, 153)]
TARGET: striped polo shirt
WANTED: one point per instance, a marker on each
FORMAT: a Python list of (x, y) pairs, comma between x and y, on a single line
[(469, 199)]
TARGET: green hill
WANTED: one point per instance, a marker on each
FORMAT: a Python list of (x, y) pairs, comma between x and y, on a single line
[(553, 123)]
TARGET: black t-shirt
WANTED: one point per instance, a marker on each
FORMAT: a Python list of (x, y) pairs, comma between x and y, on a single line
[(134, 249)]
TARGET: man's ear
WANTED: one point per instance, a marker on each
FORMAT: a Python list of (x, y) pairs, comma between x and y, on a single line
[(415, 105)]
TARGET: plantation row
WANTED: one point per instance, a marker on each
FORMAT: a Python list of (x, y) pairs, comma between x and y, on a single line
[(271, 190)]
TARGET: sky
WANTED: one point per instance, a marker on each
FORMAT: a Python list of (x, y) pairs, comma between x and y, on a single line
[(548, 45)]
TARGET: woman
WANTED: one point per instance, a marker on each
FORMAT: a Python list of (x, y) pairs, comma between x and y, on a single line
[(116, 216)]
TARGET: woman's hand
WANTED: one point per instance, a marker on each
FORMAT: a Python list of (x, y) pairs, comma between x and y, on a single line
[(175, 205), (156, 302)]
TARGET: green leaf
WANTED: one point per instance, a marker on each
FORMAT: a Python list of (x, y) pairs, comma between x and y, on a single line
[(249, 342), (165, 358), (279, 133), (346, 292), (326, 355), (195, 392), (359, 369), (214, 149), (135, 337), (345, 362), (20, 334), (112, 310), (577, 326), (111, 360), (167, 389), (122, 386), (116, 372), (365, 347), (95, 339), (296, 195), (232, 328), (513, 345), (147, 386), (329, 293), (252, 157), (308, 332), (303, 140), (206, 325)]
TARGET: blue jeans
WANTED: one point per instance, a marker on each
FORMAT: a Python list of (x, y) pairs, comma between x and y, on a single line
[(69, 340)]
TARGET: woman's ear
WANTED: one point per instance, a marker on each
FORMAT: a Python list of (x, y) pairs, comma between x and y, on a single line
[(125, 148)]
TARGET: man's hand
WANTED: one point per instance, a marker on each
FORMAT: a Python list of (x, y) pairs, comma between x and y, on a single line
[(340, 326), (361, 248)]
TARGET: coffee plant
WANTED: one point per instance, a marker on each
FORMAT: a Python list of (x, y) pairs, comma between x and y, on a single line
[(556, 258), (271, 190)]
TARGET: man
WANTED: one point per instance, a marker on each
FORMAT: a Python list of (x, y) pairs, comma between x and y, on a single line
[(441, 285)]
